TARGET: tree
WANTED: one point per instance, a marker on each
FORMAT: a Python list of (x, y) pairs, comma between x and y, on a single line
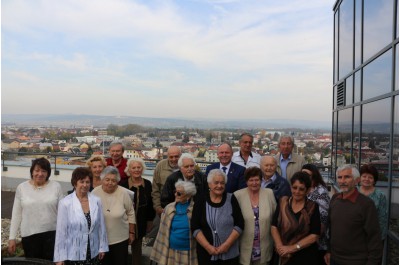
[(276, 137)]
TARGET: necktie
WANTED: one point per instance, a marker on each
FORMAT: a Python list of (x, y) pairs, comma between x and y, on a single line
[(224, 169)]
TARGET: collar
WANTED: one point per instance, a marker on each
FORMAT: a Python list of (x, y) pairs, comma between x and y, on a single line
[(289, 158), (227, 166), (351, 197)]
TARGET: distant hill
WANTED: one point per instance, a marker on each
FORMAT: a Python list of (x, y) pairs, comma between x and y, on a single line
[(68, 120)]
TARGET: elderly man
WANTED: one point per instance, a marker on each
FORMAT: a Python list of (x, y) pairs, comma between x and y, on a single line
[(272, 179), (288, 162), (163, 169), (187, 172), (245, 157), (354, 233), (234, 172), (116, 150)]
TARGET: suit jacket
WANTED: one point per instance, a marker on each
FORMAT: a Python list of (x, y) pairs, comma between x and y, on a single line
[(235, 176), (267, 205), (72, 229)]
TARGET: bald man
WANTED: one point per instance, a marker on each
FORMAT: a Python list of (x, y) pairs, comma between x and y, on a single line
[(271, 178), (163, 169)]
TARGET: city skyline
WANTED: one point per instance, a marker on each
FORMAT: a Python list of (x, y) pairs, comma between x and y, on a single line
[(186, 59)]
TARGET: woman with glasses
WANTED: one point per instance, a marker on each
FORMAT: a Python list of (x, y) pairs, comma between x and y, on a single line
[(320, 195), (217, 223), (119, 216), (296, 224), (174, 243), (258, 207), (143, 203)]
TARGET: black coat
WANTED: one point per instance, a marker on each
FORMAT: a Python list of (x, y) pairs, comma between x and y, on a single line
[(167, 194)]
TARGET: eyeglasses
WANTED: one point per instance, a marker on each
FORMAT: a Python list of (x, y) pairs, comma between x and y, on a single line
[(178, 193), (298, 188)]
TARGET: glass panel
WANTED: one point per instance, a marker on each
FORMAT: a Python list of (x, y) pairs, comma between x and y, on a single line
[(393, 251), (334, 97), (357, 86), (356, 134), (377, 76), (396, 70), (378, 26), (375, 146), (357, 37), (335, 59), (334, 145), (346, 38), (349, 91), (344, 143), (394, 205)]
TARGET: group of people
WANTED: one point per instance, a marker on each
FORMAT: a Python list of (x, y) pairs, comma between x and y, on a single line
[(246, 209)]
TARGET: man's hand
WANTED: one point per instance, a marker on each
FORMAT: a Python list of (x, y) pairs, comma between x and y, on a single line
[(327, 258), (11, 246)]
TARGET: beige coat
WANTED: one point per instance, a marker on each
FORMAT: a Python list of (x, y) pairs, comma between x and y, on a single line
[(295, 164), (267, 205)]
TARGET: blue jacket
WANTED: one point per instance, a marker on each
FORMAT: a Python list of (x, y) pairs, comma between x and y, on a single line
[(235, 176), (280, 187)]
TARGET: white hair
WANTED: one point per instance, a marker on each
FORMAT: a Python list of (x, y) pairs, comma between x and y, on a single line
[(214, 173), (188, 187), (137, 160), (354, 171), (110, 170), (185, 156)]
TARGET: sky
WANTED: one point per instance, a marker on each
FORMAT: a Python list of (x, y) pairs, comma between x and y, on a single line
[(221, 59)]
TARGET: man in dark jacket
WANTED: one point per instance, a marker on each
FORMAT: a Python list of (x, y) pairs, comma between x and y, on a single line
[(186, 172), (272, 179)]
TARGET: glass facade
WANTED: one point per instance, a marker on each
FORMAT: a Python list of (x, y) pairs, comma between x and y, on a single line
[(365, 126)]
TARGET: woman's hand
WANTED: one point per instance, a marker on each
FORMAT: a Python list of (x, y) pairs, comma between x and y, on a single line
[(223, 248), (149, 226), (11, 246), (284, 250), (101, 255), (212, 250), (131, 238)]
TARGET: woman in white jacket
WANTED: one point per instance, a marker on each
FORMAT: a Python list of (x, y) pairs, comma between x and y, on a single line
[(81, 236)]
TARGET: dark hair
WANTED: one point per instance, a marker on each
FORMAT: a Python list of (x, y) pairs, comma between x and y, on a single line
[(302, 177), (246, 134), (316, 178), (81, 173), (370, 169), (252, 172), (43, 163)]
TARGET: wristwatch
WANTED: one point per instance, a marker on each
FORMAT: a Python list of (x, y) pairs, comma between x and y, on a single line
[(298, 247)]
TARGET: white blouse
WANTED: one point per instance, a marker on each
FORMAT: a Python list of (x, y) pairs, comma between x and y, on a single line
[(35, 209), (72, 229)]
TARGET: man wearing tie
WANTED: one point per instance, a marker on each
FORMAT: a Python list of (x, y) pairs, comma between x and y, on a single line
[(234, 172)]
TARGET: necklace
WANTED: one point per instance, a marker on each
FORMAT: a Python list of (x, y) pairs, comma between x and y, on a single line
[(109, 202), (36, 187)]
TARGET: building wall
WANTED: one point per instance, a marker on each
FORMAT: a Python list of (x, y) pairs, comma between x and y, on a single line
[(365, 113)]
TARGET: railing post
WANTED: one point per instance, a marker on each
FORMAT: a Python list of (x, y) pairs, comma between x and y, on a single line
[(56, 172), (2, 161)]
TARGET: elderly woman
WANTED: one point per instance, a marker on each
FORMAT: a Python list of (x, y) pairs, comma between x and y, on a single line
[(217, 223), (143, 202), (368, 178), (174, 243), (119, 216), (81, 236), (296, 224), (258, 207), (320, 195), (37, 195), (96, 164)]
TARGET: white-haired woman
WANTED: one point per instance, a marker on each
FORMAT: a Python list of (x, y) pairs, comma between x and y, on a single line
[(143, 203), (217, 223), (96, 164), (174, 243), (187, 172), (119, 216)]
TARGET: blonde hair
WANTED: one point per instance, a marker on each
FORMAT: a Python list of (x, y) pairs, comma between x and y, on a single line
[(96, 158)]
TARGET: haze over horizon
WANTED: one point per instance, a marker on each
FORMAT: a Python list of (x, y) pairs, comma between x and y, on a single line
[(224, 59)]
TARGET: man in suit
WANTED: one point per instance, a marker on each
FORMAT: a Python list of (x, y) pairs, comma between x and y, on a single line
[(234, 172)]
